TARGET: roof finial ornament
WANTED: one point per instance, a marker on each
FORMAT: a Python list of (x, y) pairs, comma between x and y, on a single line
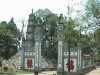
[(32, 10)]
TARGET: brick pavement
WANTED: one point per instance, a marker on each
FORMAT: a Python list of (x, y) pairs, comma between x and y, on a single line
[(94, 72)]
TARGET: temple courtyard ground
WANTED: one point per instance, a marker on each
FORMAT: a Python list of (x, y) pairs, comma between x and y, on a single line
[(93, 72)]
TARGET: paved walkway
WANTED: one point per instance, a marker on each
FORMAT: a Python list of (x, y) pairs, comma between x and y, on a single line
[(42, 73), (95, 71), (48, 73)]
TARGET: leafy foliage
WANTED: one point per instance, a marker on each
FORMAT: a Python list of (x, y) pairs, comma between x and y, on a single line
[(92, 16), (72, 31), (5, 68), (93, 21), (49, 20), (8, 39)]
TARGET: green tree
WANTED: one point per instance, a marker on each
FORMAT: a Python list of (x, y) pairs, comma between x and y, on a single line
[(92, 14), (3, 23), (96, 40), (89, 17), (13, 28), (48, 20), (72, 32), (6, 42), (9, 39), (92, 19), (87, 44)]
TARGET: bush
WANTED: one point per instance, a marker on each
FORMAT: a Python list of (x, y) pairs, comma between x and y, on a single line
[(5, 68)]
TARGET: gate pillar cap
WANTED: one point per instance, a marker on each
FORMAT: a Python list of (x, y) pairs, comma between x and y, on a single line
[(79, 43)]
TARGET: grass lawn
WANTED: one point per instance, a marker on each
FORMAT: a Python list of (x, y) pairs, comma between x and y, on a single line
[(17, 72)]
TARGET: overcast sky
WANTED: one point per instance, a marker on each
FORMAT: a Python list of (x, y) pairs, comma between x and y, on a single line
[(22, 8)]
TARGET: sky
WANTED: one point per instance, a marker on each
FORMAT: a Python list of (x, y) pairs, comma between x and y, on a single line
[(20, 9)]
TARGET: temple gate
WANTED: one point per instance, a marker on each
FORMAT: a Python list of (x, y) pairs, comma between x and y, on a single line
[(31, 46)]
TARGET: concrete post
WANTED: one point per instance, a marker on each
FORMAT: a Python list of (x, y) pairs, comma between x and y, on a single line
[(60, 49), (83, 62), (90, 61), (38, 40), (79, 44), (23, 50)]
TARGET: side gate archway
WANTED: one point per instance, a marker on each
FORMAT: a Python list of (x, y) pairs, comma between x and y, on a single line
[(63, 55)]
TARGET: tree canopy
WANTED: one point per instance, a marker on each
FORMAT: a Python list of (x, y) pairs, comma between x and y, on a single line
[(9, 35), (92, 18), (49, 20)]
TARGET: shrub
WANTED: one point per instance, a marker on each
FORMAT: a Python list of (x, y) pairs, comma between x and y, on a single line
[(5, 68)]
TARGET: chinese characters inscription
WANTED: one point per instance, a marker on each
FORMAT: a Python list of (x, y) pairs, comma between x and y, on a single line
[(29, 63), (71, 65)]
